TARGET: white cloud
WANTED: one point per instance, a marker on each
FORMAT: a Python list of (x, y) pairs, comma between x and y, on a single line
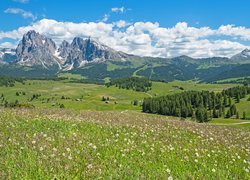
[(237, 32), (146, 38), (105, 18), (21, 1), (121, 24), (118, 10), (23, 13), (7, 45)]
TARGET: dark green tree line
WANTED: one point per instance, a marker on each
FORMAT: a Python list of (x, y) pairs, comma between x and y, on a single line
[(202, 105), (134, 83)]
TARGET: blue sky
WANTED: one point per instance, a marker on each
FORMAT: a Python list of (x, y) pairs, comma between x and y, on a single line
[(212, 13), (166, 14)]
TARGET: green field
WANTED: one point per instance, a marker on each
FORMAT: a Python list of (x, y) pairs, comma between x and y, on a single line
[(65, 144), (95, 139), (81, 96), (244, 105)]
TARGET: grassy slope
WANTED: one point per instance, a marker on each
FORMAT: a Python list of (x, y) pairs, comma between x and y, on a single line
[(244, 105), (88, 96), (91, 94), (159, 88), (46, 144)]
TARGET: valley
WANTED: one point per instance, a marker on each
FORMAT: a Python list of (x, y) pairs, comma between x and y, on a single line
[(89, 96), (80, 109)]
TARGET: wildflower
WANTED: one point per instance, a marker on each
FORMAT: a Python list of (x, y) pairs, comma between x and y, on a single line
[(170, 178), (168, 171), (52, 155), (41, 149), (213, 170), (247, 170), (68, 149), (33, 142), (90, 166)]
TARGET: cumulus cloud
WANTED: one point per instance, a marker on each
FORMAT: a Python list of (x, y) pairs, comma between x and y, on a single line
[(146, 38), (23, 13), (7, 45), (121, 24), (118, 10), (237, 32)]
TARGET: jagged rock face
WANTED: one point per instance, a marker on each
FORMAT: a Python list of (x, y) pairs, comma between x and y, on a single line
[(83, 51), (244, 55), (75, 57), (36, 49), (64, 49)]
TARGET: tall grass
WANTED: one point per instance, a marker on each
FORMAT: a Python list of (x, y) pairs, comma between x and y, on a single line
[(45, 144)]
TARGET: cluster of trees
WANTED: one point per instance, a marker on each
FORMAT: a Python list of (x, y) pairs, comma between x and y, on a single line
[(16, 104), (134, 83), (20, 93), (9, 81), (35, 96), (202, 106), (135, 102), (105, 98)]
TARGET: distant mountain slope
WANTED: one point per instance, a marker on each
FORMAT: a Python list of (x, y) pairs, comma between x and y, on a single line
[(7, 55), (38, 56), (243, 57)]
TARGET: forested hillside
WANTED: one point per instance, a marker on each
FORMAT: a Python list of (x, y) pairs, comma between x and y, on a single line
[(202, 106)]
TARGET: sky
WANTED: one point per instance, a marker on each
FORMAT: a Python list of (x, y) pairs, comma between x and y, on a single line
[(159, 28)]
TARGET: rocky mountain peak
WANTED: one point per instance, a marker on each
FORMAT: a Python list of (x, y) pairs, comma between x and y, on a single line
[(243, 55), (78, 43), (35, 49), (246, 52), (65, 44), (82, 51)]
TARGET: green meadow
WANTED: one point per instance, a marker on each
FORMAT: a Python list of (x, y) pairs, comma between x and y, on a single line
[(94, 139), (81, 96), (67, 144)]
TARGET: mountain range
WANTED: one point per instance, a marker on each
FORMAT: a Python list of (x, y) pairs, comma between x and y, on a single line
[(38, 56)]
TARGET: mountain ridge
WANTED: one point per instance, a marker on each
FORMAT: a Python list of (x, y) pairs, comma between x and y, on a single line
[(94, 60)]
